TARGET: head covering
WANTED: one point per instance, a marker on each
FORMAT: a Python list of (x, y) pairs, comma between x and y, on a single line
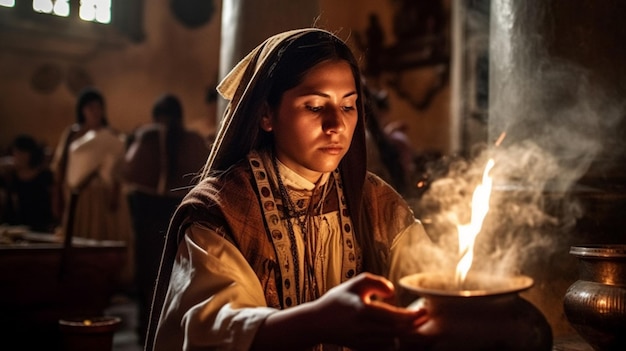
[(247, 87), (238, 87)]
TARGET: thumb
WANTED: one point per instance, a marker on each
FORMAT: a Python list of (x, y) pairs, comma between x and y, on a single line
[(373, 287)]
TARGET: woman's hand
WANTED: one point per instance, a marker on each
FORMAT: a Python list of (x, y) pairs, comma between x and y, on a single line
[(352, 314)]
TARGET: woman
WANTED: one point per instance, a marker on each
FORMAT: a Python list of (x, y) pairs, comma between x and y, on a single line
[(159, 167), (86, 165), (269, 250), (28, 186), (164, 157)]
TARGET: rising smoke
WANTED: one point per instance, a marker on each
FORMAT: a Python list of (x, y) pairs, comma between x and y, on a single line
[(557, 121)]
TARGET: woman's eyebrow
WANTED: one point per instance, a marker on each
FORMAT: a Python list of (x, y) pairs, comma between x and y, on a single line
[(322, 94)]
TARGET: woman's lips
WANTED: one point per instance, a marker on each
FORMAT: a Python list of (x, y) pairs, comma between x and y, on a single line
[(332, 149)]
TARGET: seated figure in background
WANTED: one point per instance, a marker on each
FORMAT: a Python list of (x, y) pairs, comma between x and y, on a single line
[(26, 182), (161, 163)]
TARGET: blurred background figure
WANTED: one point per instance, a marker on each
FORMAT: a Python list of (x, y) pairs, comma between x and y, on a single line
[(86, 165), (390, 152), (160, 167), (26, 184), (164, 157)]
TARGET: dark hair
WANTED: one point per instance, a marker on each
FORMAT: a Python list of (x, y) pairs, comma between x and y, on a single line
[(86, 96), (170, 107), (28, 144), (304, 53)]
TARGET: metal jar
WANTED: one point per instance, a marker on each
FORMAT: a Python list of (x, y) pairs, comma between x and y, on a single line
[(595, 305)]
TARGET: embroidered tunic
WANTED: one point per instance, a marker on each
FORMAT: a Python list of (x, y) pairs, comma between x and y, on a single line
[(253, 238), (229, 275)]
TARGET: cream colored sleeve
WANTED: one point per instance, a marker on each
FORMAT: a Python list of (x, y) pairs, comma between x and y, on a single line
[(214, 300)]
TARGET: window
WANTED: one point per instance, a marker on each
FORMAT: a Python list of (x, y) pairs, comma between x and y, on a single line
[(95, 10), (74, 19), (88, 10), (54, 7)]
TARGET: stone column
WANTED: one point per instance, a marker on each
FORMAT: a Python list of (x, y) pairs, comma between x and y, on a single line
[(246, 23)]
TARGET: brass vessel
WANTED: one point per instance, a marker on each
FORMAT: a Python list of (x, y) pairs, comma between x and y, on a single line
[(595, 305), (486, 313)]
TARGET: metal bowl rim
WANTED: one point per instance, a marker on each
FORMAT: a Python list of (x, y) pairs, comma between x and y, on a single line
[(522, 283), (599, 250)]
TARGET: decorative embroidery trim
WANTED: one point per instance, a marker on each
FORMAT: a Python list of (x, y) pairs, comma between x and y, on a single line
[(272, 219), (349, 266), (290, 212), (282, 242)]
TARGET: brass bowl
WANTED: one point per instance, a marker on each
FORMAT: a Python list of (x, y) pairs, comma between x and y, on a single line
[(486, 312), (595, 305), (476, 284)]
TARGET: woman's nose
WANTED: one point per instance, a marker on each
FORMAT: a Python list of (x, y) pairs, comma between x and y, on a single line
[(333, 121)]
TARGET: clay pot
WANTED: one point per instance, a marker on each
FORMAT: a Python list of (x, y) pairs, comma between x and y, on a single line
[(487, 314), (595, 305)]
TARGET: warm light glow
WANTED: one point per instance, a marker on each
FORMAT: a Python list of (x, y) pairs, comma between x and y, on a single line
[(468, 232)]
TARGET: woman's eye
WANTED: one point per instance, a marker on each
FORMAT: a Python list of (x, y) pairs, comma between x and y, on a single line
[(347, 108), (314, 108)]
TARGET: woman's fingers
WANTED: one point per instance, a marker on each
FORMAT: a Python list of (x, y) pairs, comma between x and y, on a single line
[(370, 287), (383, 316)]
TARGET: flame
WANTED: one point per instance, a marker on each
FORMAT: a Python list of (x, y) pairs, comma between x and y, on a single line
[(468, 232), (500, 138)]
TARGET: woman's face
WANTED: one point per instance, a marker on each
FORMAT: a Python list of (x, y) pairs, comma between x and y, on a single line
[(314, 122), (94, 114), (21, 158)]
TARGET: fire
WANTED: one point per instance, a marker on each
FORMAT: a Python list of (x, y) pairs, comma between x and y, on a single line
[(467, 232)]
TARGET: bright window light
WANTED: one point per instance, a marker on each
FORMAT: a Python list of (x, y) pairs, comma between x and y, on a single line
[(89, 10), (43, 6), (95, 10), (7, 3), (53, 7)]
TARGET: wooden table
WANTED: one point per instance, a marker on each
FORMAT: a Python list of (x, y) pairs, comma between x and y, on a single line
[(43, 281)]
